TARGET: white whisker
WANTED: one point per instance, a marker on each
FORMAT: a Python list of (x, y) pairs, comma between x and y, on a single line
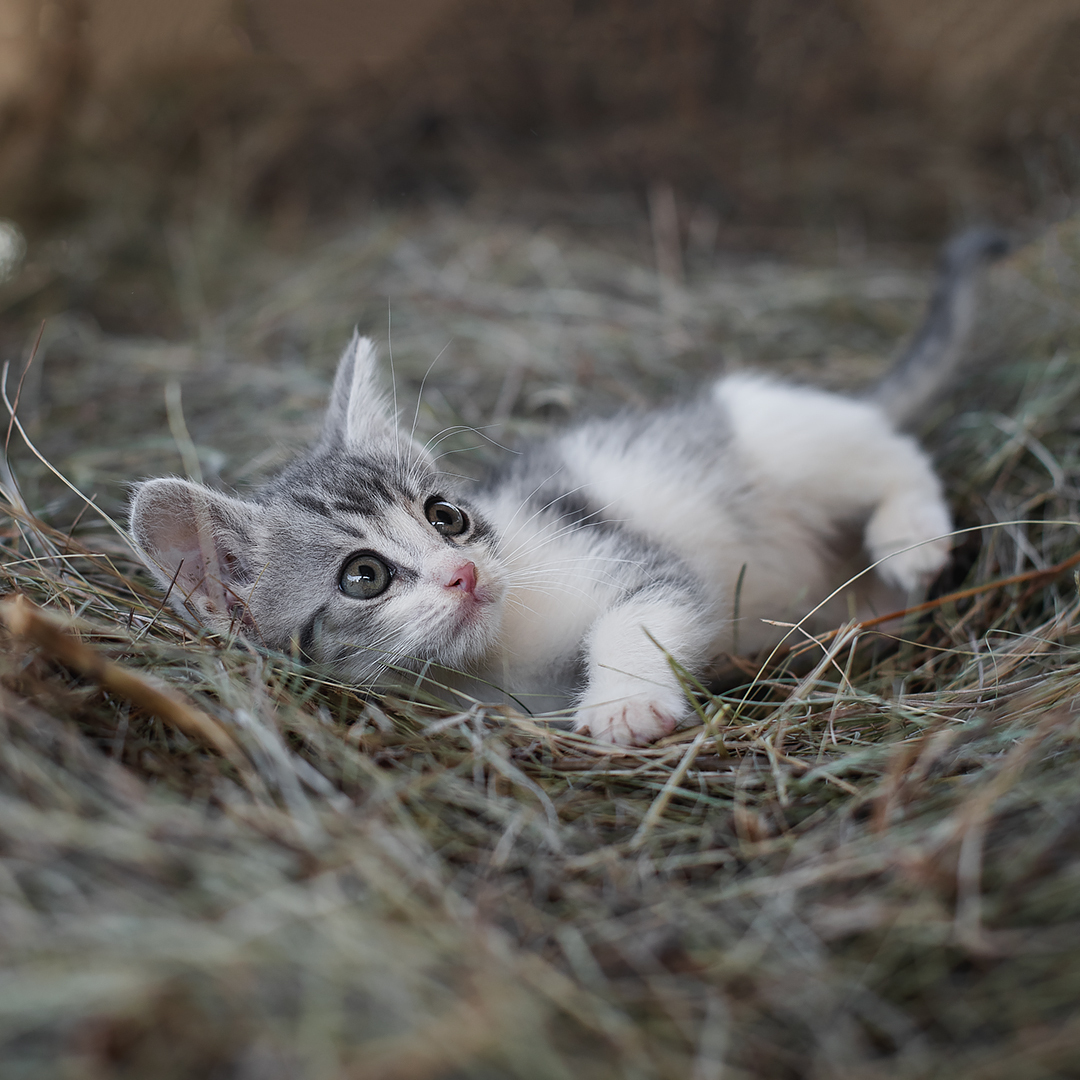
[(420, 392)]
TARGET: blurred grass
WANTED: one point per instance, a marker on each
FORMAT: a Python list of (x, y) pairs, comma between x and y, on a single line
[(870, 872)]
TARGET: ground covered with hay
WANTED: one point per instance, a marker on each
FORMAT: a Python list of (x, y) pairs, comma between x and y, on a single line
[(215, 862)]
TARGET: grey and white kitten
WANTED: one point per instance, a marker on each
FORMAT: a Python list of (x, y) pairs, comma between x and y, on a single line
[(574, 575)]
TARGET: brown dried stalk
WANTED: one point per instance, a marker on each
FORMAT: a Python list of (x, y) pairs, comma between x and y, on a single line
[(24, 619)]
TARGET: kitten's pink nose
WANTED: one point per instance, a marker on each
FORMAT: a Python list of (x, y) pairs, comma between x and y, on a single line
[(464, 578)]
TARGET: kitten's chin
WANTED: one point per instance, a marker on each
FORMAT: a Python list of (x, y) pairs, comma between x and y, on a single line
[(471, 634), (459, 644)]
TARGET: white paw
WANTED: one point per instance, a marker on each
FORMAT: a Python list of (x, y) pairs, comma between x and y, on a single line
[(632, 719), (910, 519)]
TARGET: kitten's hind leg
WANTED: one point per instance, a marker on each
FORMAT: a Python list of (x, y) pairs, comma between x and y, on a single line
[(837, 460), (632, 695), (909, 531)]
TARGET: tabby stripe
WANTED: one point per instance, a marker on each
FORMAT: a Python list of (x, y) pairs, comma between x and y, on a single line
[(312, 503)]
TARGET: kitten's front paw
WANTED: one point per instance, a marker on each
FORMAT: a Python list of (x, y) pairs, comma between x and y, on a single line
[(632, 720)]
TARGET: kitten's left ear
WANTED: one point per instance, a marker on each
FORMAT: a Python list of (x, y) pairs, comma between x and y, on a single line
[(201, 546), (358, 411)]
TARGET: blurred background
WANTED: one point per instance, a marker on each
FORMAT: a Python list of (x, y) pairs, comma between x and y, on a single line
[(178, 176), (893, 118)]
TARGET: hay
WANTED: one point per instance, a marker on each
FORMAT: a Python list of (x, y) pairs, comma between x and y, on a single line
[(866, 870)]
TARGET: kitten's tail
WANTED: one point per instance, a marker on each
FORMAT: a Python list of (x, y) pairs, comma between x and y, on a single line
[(936, 351)]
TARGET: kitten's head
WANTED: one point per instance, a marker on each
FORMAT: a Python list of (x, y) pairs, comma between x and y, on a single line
[(360, 552)]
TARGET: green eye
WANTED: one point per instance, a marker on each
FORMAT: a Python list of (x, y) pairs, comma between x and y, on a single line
[(446, 517), (365, 576)]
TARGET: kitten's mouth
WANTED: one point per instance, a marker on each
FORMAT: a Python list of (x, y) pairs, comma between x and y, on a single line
[(474, 610), (473, 607)]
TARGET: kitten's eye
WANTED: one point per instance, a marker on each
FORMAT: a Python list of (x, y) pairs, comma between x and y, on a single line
[(446, 517), (364, 577)]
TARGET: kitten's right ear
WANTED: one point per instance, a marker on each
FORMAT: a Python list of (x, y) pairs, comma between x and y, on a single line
[(201, 545), (358, 410)]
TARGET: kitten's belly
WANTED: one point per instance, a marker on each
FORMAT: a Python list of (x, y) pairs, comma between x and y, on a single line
[(756, 560), (779, 577)]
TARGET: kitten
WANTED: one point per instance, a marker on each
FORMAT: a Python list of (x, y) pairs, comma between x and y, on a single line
[(572, 575)]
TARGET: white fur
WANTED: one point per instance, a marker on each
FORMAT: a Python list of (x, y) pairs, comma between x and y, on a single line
[(633, 695), (799, 463)]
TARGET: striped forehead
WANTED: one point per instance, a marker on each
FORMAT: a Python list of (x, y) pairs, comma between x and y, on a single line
[(360, 486), (351, 485), (386, 520), (397, 526), (380, 513)]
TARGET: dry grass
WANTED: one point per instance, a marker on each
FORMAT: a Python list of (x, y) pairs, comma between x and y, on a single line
[(868, 871)]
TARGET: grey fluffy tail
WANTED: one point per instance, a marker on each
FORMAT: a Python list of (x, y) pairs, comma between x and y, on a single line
[(937, 350)]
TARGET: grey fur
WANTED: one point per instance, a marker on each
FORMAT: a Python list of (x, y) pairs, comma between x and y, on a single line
[(936, 351)]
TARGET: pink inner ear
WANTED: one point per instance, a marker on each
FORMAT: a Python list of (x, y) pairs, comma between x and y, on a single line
[(204, 575), (191, 535)]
